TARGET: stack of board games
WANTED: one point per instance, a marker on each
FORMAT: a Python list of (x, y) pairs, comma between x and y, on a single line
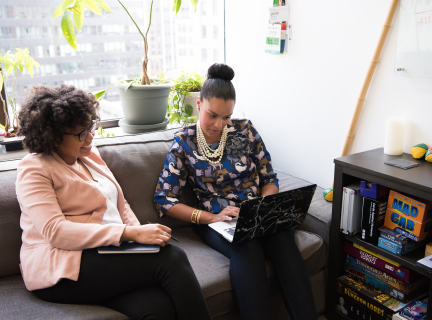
[(373, 303), (398, 243), (397, 284), (381, 280), (390, 267)]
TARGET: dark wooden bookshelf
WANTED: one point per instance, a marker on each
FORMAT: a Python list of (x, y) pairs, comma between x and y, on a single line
[(370, 166)]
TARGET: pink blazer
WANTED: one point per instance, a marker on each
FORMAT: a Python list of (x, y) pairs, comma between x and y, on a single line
[(62, 211)]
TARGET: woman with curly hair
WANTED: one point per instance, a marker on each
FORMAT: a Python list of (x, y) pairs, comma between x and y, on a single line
[(71, 204), (226, 162)]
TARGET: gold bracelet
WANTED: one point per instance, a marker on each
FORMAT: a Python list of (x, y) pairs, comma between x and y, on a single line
[(198, 217), (194, 215)]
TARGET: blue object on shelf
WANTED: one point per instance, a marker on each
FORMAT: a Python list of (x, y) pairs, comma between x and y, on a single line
[(372, 190)]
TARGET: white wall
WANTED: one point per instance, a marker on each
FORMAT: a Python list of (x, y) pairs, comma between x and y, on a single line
[(302, 104)]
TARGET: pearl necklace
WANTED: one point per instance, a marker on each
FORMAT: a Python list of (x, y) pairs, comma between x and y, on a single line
[(208, 153)]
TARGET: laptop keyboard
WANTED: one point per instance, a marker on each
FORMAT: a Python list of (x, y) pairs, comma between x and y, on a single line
[(231, 230)]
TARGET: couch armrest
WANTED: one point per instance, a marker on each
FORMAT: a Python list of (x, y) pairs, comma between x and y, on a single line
[(320, 211)]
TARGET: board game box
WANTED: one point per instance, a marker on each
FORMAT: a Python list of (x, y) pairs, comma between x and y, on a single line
[(392, 235), (382, 286), (353, 310), (411, 215), (400, 249), (373, 214), (415, 310), (380, 304), (396, 271), (420, 283)]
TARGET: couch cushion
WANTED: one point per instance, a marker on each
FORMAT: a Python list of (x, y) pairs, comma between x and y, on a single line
[(136, 162), (319, 217), (10, 231), (212, 268), (16, 302)]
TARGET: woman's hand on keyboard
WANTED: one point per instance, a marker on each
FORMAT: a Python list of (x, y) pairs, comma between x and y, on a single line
[(227, 214)]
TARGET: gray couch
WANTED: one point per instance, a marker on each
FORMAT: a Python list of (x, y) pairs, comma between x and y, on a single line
[(136, 162)]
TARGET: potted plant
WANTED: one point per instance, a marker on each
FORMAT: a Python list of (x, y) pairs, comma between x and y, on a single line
[(133, 92), (182, 106), (10, 66)]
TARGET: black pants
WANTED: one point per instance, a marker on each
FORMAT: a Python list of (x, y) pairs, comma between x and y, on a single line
[(142, 286), (249, 277)]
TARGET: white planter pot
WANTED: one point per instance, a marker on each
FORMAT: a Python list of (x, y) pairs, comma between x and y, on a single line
[(191, 99), (144, 105)]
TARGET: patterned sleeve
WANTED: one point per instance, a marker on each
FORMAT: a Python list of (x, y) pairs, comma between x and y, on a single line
[(172, 178), (262, 159)]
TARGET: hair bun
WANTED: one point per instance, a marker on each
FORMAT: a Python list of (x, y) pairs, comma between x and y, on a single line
[(220, 71)]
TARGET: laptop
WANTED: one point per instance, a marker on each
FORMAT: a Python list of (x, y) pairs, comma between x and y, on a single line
[(266, 215)]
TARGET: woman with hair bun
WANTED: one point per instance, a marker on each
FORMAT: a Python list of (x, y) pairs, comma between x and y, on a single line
[(226, 162), (71, 204)]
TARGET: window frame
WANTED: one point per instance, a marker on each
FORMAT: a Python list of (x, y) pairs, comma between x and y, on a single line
[(109, 123), (2, 112)]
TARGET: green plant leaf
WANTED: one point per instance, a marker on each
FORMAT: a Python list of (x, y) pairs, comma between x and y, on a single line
[(195, 4), (188, 110), (78, 15), (100, 94), (92, 6), (129, 85), (62, 7), (174, 117), (177, 5), (19, 65), (68, 30), (29, 67), (194, 118), (104, 6), (175, 98)]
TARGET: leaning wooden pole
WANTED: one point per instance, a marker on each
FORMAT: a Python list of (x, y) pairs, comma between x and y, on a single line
[(328, 193), (372, 67)]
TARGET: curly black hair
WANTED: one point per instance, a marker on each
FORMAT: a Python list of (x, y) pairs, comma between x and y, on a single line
[(48, 111)]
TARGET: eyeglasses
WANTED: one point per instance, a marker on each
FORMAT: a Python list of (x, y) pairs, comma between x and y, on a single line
[(83, 134)]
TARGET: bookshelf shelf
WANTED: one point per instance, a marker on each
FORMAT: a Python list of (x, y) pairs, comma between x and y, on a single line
[(370, 166)]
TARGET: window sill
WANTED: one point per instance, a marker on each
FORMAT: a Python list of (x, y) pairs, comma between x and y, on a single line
[(117, 131)]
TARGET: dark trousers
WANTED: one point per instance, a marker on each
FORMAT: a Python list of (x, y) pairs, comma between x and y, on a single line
[(142, 286), (249, 277)]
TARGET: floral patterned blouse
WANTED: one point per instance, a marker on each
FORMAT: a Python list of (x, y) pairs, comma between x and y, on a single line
[(243, 170)]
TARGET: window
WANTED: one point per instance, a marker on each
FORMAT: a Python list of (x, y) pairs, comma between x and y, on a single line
[(216, 6), (204, 54), (216, 55), (110, 47), (215, 32)]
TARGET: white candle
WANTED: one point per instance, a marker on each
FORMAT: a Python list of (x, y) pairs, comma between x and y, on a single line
[(394, 137)]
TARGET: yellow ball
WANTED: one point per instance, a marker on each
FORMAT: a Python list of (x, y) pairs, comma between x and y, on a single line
[(428, 156), (419, 151), (328, 194)]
